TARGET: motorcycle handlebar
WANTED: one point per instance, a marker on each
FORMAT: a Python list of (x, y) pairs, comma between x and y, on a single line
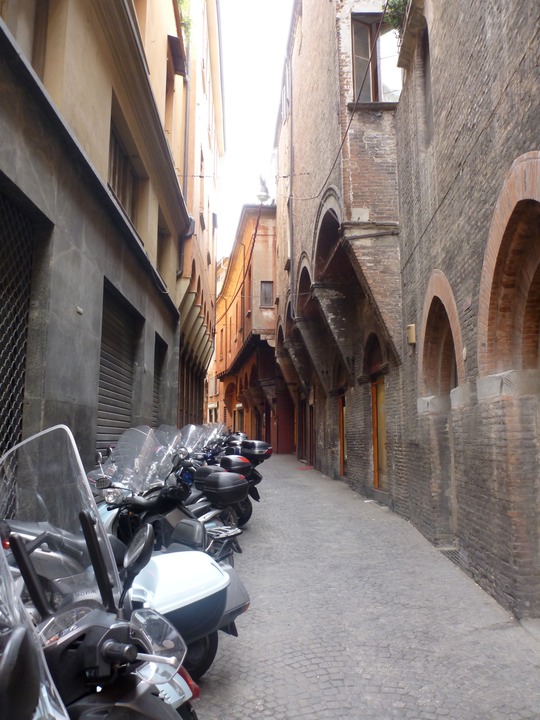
[(141, 503), (115, 652)]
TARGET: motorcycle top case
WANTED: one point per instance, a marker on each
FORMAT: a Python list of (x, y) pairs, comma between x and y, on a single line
[(236, 464), (224, 488), (255, 450)]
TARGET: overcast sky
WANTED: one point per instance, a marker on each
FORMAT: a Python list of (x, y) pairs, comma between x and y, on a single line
[(254, 35)]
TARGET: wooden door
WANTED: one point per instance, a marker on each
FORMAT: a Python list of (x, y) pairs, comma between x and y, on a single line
[(379, 434)]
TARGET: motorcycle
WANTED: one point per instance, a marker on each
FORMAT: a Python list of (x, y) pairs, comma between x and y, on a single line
[(142, 482), (199, 595), (198, 447), (106, 658), (231, 452)]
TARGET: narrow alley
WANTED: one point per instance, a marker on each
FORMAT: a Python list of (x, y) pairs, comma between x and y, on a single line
[(354, 615)]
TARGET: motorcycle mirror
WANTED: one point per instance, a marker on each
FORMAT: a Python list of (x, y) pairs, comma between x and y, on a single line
[(19, 660), (138, 554), (139, 550), (99, 458), (102, 482)]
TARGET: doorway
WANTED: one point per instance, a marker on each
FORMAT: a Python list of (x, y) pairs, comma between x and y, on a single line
[(378, 414)]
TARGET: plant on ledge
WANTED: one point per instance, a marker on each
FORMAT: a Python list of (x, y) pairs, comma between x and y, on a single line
[(396, 11)]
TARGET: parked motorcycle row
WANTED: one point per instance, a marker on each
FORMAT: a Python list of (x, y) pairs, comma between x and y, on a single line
[(114, 585)]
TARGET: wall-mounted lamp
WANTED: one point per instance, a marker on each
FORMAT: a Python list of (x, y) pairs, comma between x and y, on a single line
[(263, 194), (411, 334)]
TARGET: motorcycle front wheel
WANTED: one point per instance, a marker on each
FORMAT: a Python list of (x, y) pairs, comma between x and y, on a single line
[(200, 655)]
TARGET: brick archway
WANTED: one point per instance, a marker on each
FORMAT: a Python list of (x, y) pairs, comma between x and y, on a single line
[(441, 343), (303, 293), (509, 305), (327, 233)]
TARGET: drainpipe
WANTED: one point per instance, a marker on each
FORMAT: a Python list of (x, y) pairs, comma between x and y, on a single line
[(191, 230), (186, 129), (291, 194)]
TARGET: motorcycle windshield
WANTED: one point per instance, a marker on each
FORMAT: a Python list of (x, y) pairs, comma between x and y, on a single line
[(43, 491), (140, 460), (213, 431), (12, 615), (194, 437), (172, 440)]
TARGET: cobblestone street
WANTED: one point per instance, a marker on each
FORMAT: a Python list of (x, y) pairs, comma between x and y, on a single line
[(355, 615)]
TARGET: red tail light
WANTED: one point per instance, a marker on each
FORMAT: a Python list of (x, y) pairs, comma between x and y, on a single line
[(195, 689), (5, 544)]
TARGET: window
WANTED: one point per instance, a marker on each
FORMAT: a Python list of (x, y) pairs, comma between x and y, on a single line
[(164, 265), (377, 77), (122, 175), (267, 293)]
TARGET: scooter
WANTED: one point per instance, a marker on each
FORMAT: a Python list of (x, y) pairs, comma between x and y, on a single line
[(104, 657), (196, 593)]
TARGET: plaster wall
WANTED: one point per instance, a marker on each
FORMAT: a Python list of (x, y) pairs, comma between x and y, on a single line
[(81, 241)]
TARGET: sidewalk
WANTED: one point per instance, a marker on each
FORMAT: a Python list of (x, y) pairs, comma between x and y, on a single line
[(354, 615)]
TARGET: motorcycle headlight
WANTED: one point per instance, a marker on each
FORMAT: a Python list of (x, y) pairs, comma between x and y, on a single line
[(113, 496)]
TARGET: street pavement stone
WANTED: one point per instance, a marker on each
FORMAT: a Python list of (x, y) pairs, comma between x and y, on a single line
[(355, 615)]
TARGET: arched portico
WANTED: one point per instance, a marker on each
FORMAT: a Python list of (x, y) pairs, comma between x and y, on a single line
[(508, 386), (441, 369)]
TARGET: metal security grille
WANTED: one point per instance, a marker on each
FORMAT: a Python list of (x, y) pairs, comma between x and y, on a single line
[(16, 246), (118, 337)]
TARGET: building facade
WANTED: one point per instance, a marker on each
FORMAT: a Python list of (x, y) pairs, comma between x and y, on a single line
[(469, 170), (339, 341), (196, 290), (251, 390), (407, 224), (96, 234)]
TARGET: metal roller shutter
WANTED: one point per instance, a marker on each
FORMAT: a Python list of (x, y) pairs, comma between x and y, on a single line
[(160, 352), (118, 338)]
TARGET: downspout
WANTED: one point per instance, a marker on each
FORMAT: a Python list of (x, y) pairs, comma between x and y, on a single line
[(186, 128), (191, 230), (291, 194)]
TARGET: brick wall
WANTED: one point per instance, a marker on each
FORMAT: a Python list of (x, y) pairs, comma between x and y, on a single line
[(484, 68)]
